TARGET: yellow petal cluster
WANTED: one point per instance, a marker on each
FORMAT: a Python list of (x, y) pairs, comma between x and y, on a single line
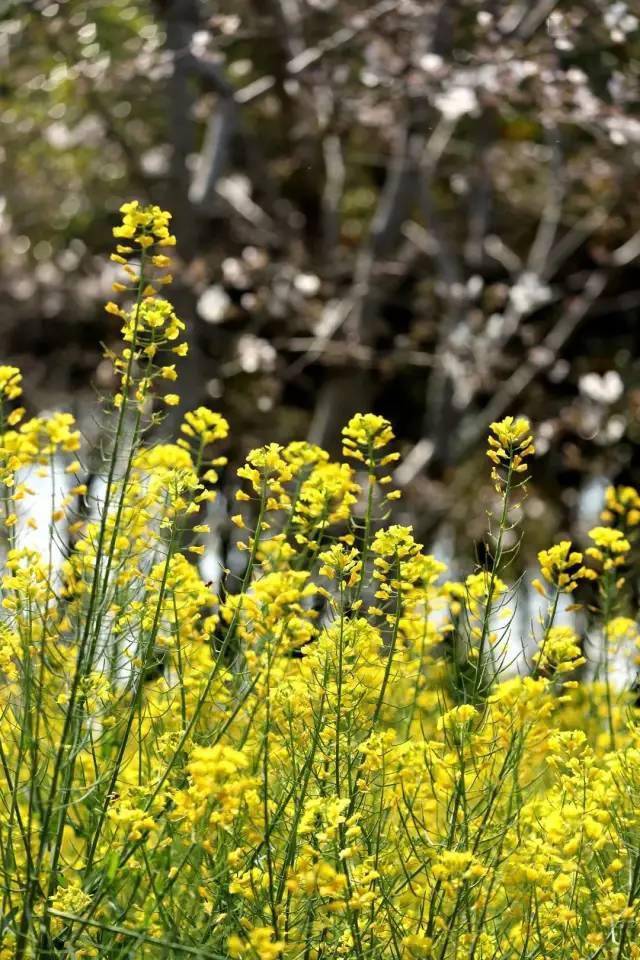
[(319, 748)]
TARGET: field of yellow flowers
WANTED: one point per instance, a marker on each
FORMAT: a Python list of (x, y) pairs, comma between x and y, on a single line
[(327, 757)]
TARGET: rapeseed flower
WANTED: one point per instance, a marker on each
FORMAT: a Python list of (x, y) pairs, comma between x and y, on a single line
[(325, 753)]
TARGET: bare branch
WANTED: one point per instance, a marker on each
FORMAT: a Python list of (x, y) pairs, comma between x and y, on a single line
[(575, 237), (523, 375), (627, 252), (312, 55), (538, 259), (471, 430), (333, 189), (214, 154)]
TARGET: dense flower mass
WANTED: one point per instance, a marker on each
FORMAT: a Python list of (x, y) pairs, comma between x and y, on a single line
[(329, 753)]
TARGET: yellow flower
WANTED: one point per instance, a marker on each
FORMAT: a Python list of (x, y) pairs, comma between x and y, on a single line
[(611, 547), (267, 470), (562, 567), (205, 426), (562, 884), (365, 436), (71, 899), (341, 563), (622, 506), (560, 651), (511, 435), (10, 382), (510, 443), (144, 225), (458, 717), (608, 539)]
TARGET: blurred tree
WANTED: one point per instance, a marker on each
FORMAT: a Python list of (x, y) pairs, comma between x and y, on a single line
[(424, 208)]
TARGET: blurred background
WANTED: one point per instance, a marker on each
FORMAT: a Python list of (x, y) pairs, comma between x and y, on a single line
[(425, 208)]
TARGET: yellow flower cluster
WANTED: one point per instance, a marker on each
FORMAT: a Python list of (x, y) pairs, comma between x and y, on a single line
[(267, 471), (364, 435), (340, 562), (611, 547), (329, 753), (10, 382), (622, 507), (510, 443), (150, 325), (562, 568), (560, 651), (364, 439), (204, 426), (145, 226)]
